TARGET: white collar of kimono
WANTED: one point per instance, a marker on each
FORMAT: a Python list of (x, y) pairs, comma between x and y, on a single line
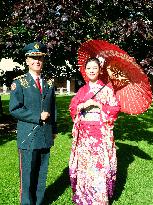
[(94, 85)]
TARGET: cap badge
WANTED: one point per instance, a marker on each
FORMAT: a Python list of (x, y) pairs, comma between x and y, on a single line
[(36, 46)]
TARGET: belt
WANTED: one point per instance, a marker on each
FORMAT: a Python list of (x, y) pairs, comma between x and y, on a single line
[(90, 116)]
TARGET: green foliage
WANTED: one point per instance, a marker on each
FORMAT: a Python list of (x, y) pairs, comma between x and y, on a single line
[(63, 25), (134, 152), (5, 104)]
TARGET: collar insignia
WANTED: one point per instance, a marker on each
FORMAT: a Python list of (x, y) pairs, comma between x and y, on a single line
[(50, 82)]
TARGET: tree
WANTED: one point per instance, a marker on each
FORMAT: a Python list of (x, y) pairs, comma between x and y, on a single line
[(64, 24)]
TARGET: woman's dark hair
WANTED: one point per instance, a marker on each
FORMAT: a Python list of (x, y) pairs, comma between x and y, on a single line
[(93, 59)]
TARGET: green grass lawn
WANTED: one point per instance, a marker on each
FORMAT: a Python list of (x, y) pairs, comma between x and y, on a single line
[(134, 141)]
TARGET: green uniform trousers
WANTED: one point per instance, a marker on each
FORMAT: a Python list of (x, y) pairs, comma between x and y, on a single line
[(33, 175)]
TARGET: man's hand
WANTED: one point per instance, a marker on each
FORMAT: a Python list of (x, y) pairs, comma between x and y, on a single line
[(45, 116)]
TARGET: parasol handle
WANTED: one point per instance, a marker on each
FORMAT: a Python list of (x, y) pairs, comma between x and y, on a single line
[(98, 91)]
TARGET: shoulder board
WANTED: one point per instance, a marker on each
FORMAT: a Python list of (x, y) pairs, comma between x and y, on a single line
[(20, 77)]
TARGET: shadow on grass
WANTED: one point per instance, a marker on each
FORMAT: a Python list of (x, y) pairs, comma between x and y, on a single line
[(64, 121), (57, 188), (7, 122), (7, 129), (135, 128), (125, 156)]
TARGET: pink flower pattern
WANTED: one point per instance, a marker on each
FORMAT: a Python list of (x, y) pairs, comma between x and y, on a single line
[(93, 164)]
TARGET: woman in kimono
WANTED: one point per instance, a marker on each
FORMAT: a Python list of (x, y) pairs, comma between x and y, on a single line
[(93, 163)]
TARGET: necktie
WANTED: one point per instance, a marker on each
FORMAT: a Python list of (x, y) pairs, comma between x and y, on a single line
[(38, 84)]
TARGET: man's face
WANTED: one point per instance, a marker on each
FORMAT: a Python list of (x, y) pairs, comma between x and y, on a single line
[(35, 63)]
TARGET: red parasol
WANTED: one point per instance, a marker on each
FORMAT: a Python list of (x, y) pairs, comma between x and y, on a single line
[(130, 83)]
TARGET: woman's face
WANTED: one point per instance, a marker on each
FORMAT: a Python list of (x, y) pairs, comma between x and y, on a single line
[(92, 71)]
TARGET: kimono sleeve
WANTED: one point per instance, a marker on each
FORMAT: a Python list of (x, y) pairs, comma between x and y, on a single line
[(112, 106), (75, 101)]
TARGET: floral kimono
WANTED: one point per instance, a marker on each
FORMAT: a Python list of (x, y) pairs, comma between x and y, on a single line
[(93, 163)]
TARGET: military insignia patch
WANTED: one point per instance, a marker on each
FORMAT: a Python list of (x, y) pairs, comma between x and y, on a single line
[(36, 46), (24, 83), (50, 82), (13, 86)]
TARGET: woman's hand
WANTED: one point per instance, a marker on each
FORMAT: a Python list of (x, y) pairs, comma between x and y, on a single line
[(88, 103), (80, 106)]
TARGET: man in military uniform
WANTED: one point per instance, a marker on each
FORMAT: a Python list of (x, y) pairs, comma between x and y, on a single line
[(32, 103)]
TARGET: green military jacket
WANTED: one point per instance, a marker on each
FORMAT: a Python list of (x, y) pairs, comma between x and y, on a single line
[(26, 105)]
